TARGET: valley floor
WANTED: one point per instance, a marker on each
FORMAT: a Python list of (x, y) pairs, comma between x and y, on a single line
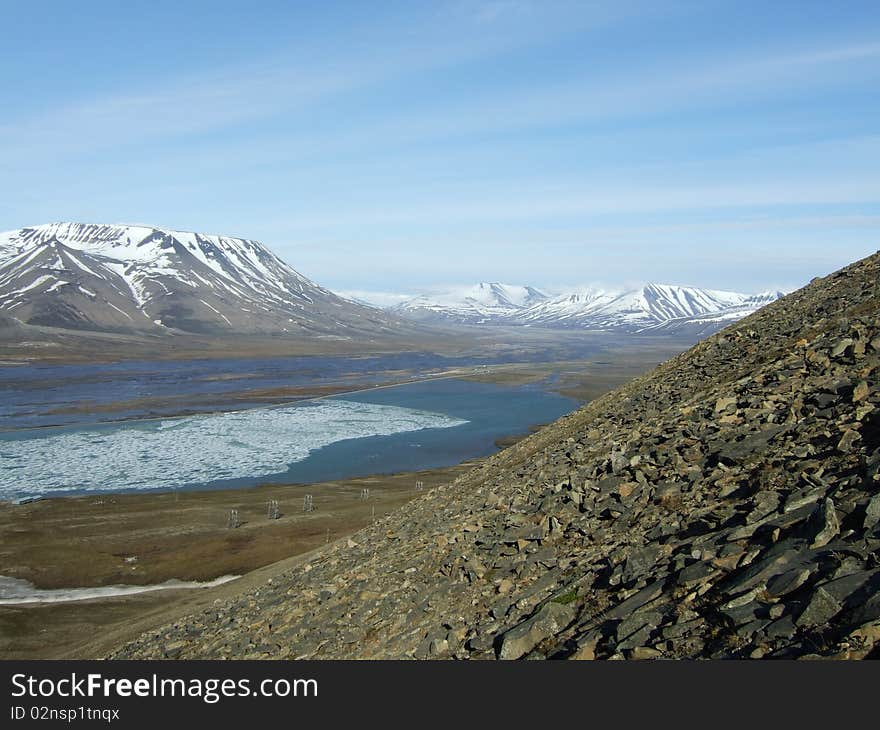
[(150, 538)]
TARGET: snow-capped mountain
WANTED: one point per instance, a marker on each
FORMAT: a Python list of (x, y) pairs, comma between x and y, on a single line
[(139, 278), (123, 278), (487, 302), (652, 308)]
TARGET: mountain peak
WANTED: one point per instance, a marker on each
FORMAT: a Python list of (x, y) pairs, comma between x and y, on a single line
[(133, 277)]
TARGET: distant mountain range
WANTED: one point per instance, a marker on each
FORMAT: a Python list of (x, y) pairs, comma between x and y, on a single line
[(652, 308), (485, 303), (140, 278), (131, 278)]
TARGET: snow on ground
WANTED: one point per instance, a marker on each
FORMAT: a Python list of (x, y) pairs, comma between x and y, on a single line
[(14, 591)]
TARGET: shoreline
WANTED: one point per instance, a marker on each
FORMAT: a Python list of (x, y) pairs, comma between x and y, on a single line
[(586, 379), (267, 406), (107, 538)]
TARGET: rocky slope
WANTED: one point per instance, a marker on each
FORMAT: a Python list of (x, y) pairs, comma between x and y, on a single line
[(725, 505), (140, 279)]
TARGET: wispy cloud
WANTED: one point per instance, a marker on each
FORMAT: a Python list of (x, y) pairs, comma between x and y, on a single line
[(198, 105), (184, 106), (637, 92), (277, 86), (376, 298), (558, 202), (274, 87)]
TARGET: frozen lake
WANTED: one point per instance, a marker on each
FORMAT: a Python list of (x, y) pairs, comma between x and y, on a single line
[(404, 428)]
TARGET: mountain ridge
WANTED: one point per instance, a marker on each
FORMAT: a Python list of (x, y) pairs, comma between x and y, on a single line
[(652, 308), (136, 278)]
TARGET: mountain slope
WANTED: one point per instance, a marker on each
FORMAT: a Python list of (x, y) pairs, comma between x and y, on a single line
[(480, 304), (124, 278), (726, 504)]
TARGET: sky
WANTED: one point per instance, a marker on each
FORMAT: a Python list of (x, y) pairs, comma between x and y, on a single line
[(410, 146)]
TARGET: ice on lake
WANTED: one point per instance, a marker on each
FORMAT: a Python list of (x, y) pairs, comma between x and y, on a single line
[(171, 453)]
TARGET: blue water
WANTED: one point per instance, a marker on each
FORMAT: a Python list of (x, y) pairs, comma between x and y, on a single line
[(406, 428), (492, 412), (38, 395)]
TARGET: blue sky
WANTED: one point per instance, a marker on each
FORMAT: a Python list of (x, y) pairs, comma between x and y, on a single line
[(401, 146)]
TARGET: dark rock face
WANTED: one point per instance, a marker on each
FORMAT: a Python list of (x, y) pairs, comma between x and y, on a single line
[(725, 505)]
